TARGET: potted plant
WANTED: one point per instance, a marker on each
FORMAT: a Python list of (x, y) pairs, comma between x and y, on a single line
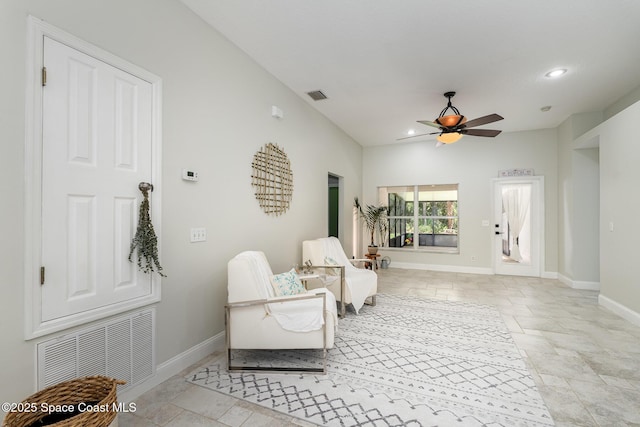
[(375, 218)]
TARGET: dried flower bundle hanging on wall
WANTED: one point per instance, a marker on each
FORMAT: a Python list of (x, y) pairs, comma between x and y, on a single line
[(272, 179), (145, 239)]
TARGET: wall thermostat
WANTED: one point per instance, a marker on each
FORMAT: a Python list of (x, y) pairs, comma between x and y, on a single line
[(188, 175)]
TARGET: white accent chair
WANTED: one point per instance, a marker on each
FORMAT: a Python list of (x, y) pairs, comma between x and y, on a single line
[(257, 319), (353, 285)]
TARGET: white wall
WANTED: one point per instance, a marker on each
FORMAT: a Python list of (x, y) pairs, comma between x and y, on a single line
[(586, 217), (620, 204), (578, 201), (622, 103), (471, 162), (216, 115)]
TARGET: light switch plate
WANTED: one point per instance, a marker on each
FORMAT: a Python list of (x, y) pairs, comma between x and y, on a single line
[(198, 235)]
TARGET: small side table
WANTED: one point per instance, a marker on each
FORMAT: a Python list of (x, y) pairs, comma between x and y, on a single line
[(306, 276), (374, 261)]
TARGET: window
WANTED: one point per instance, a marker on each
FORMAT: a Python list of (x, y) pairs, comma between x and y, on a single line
[(422, 216)]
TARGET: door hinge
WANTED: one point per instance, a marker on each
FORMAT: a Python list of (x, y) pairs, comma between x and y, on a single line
[(44, 76), (41, 276)]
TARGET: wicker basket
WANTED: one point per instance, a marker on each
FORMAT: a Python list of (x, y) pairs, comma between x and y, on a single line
[(96, 390)]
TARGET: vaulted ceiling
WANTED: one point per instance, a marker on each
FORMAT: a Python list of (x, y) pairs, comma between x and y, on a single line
[(383, 64)]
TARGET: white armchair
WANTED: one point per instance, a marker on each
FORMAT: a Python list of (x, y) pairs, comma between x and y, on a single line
[(353, 285), (257, 319)]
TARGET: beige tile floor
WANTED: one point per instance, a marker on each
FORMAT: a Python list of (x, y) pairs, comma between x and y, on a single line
[(585, 359)]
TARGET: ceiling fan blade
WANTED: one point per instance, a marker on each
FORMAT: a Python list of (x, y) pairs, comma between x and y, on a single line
[(429, 123), (415, 136), (482, 121), (481, 132)]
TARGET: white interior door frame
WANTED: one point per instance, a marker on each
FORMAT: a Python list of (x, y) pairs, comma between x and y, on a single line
[(536, 268), (37, 30)]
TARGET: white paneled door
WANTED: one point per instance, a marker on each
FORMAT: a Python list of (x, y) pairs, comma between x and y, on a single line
[(96, 148), (518, 227)]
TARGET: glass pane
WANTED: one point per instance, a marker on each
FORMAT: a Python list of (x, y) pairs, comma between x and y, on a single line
[(445, 208), (391, 203), (425, 226), (408, 209), (395, 233), (400, 233), (408, 225), (425, 209), (516, 223), (452, 208), (446, 233), (398, 198), (446, 226), (409, 230), (438, 192)]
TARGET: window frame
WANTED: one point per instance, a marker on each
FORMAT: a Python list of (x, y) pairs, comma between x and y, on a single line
[(385, 195)]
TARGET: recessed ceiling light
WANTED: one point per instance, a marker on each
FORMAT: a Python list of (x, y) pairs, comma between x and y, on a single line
[(411, 132), (556, 73)]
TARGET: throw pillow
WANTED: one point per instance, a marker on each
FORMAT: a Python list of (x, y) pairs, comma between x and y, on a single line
[(287, 283), (332, 271)]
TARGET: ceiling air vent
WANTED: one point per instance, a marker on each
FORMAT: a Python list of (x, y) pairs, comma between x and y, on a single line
[(317, 95)]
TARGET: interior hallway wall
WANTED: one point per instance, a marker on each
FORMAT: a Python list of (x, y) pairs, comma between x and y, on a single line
[(578, 202), (216, 116), (619, 141)]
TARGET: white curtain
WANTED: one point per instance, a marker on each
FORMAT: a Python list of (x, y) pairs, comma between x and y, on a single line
[(516, 200)]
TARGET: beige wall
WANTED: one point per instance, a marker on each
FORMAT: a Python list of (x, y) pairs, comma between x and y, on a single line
[(471, 163), (216, 115)]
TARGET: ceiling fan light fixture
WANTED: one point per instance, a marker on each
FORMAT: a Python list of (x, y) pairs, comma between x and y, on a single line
[(452, 126), (449, 137), (451, 120)]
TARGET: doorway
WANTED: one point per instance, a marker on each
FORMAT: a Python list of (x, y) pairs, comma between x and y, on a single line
[(518, 245), (334, 182)]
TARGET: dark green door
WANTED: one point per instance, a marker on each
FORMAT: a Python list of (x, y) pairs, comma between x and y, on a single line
[(334, 194), (334, 204)]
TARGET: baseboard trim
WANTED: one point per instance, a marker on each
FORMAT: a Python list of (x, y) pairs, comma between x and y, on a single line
[(589, 286), (579, 284), (619, 309), (467, 269), (446, 268), (565, 280), (173, 366)]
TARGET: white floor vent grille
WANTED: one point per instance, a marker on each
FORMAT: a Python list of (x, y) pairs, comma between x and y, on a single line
[(121, 348)]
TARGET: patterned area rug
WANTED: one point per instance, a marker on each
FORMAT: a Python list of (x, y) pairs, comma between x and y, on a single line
[(407, 361)]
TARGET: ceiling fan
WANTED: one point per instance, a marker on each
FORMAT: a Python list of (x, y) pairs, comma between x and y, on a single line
[(453, 126)]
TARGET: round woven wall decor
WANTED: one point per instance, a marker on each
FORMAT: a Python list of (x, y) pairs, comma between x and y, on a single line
[(272, 179)]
